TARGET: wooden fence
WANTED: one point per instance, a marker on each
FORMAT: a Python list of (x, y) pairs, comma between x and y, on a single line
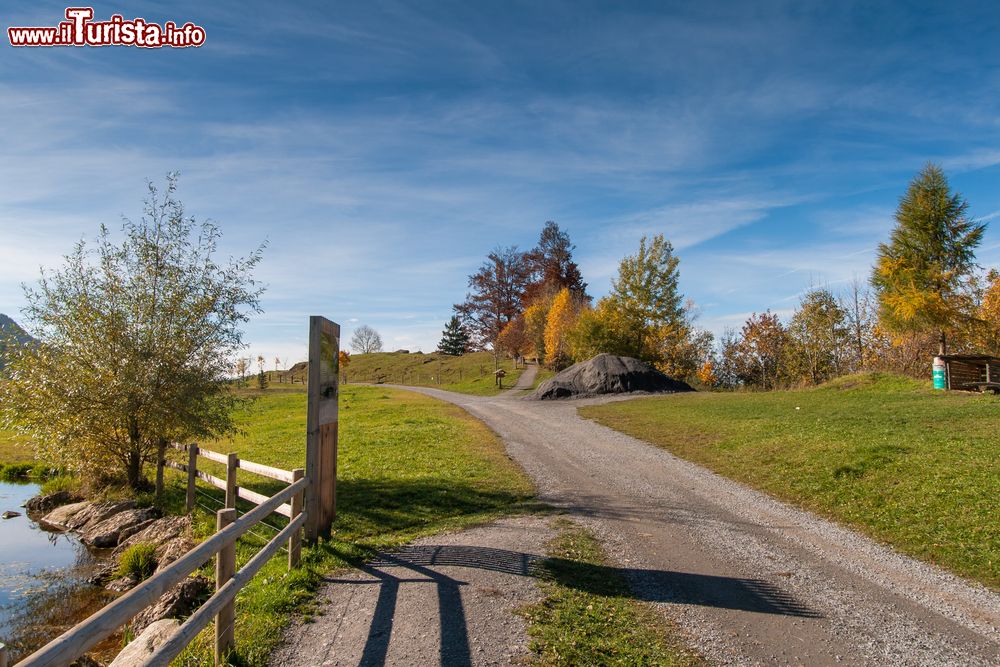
[(228, 581)]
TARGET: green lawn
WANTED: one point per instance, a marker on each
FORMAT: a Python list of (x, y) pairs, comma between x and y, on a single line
[(13, 449), (408, 465), (912, 467), (470, 373)]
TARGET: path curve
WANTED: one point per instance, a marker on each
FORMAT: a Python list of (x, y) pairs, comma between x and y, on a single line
[(752, 580)]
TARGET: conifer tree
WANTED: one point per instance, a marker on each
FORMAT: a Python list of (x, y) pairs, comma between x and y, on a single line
[(923, 271), (454, 338)]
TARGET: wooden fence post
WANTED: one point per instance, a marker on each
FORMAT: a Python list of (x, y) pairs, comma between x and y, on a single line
[(321, 426), (225, 568), (161, 456), (192, 471), (295, 541), (232, 464), (4, 656)]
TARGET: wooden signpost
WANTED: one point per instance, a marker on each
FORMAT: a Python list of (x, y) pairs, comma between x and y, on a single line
[(321, 426)]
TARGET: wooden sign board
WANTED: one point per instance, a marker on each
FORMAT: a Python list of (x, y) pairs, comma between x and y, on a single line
[(321, 426)]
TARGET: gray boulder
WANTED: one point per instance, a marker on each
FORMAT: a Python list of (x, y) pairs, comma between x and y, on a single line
[(171, 534), (108, 533), (161, 532), (50, 502), (607, 374), (179, 602), (60, 517), (83, 515)]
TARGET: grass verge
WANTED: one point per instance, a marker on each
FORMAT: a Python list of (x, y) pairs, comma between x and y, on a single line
[(909, 466), (588, 616), (409, 465)]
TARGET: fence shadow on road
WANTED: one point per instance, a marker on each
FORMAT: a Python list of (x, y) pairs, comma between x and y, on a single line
[(419, 564)]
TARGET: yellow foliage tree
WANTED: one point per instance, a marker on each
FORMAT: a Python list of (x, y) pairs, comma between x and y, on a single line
[(989, 314), (706, 374), (535, 318), (561, 320)]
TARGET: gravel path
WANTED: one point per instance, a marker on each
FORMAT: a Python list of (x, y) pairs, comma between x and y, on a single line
[(752, 580), (448, 600), (524, 382)]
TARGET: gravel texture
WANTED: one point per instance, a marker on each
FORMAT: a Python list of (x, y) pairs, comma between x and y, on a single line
[(751, 580), (448, 600)]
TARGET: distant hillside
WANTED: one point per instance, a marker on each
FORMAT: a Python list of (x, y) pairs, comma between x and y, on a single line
[(11, 333), (470, 373)]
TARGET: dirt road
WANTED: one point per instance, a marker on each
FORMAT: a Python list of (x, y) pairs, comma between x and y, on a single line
[(752, 580)]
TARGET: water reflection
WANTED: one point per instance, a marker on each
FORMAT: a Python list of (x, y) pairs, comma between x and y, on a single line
[(43, 588)]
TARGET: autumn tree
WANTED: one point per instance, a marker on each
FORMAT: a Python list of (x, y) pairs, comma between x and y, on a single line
[(647, 297), (552, 266), (496, 295), (600, 329), (366, 340), (818, 338), (986, 337), (684, 350), (644, 315), (755, 356), (514, 339), (706, 374), (861, 316), (922, 272), (560, 322), (241, 367), (454, 339), (536, 316), (136, 341)]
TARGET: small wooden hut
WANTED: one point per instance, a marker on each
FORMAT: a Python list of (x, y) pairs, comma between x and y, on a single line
[(972, 372)]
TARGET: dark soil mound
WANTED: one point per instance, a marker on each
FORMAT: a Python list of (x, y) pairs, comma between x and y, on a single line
[(608, 374)]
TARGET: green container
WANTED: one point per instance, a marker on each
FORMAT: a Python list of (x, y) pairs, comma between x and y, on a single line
[(938, 373)]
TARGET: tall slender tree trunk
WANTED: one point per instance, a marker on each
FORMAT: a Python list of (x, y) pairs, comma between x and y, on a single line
[(942, 343), (134, 471)]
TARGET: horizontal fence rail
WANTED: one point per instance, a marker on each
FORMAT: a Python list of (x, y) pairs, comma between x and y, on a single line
[(288, 502)]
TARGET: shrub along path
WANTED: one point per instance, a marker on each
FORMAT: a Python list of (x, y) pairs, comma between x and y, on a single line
[(751, 579)]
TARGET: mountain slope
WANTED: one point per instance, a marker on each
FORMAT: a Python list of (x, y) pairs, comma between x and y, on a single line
[(11, 334)]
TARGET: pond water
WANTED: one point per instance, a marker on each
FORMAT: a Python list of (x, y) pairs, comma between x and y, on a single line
[(43, 587)]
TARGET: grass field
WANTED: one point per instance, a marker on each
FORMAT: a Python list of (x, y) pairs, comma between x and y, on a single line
[(13, 449), (468, 374), (910, 466), (408, 465)]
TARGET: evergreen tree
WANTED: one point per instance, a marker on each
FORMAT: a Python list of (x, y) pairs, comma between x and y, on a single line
[(922, 273), (454, 339)]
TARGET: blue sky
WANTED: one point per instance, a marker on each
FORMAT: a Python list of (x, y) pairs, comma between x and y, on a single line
[(384, 148)]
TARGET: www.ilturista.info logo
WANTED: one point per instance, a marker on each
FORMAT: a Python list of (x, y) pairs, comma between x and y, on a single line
[(79, 29)]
